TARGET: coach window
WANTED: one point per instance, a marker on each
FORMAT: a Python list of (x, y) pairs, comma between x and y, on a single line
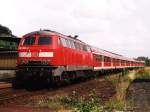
[(105, 59), (109, 59), (96, 57), (100, 57), (118, 60), (114, 60)]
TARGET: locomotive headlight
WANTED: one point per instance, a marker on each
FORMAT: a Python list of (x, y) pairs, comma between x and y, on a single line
[(24, 54), (23, 61), (46, 54), (46, 62)]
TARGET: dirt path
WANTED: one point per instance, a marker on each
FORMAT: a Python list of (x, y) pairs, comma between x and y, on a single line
[(139, 95)]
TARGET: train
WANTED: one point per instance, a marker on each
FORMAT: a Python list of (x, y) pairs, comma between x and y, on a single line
[(52, 56)]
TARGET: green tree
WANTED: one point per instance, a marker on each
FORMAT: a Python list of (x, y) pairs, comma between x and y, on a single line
[(4, 30), (146, 59)]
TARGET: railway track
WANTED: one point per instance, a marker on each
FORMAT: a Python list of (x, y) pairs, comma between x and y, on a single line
[(11, 95), (10, 79), (8, 94), (4, 85)]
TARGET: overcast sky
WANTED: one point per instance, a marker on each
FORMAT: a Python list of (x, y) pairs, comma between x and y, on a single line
[(121, 26)]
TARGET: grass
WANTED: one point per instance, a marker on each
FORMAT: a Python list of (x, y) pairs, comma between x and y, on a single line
[(76, 103), (143, 74), (82, 105), (114, 104), (122, 82), (52, 103)]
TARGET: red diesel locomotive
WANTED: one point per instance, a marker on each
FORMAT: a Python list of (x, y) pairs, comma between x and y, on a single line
[(50, 55)]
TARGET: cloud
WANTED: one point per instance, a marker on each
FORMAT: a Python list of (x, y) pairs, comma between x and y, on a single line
[(120, 26)]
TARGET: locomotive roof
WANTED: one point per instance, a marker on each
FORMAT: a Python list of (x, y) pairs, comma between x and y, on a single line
[(50, 32)]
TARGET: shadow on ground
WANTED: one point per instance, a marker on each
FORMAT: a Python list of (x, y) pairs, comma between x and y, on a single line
[(141, 80), (138, 94)]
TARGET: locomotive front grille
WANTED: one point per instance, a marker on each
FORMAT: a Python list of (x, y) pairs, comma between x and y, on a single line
[(35, 62), (36, 65), (44, 62)]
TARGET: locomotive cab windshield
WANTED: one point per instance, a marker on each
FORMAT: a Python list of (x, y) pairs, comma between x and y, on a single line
[(41, 40), (29, 41), (45, 40)]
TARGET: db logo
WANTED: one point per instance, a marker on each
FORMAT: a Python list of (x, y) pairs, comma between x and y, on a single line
[(35, 54)]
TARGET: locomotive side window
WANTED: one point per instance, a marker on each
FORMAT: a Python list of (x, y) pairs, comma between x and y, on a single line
[(88, 49), (80, 46), (68, 43), (59, 42), (45, 41), (29, 41), (76, 45), (85, 48), (63, 41), (72, 44)]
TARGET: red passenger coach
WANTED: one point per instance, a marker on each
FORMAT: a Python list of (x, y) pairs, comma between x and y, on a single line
[(50, 55)]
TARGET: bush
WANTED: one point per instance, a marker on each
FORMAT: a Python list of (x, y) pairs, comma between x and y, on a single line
[(115, 104), (81, 104)]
